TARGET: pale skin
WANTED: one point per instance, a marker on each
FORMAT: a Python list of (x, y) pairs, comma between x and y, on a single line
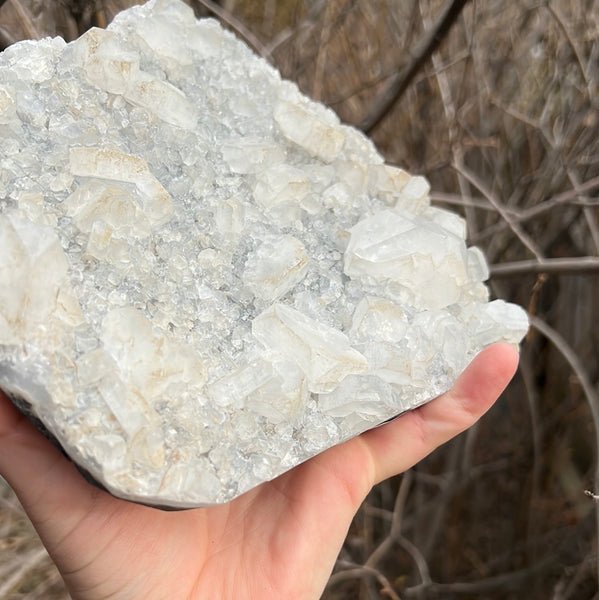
[(279, 540)]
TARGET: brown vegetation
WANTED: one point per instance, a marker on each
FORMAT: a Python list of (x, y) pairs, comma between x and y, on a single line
[(503, 118)]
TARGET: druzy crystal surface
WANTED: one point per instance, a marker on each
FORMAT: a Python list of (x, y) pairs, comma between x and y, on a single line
[(206, 279)]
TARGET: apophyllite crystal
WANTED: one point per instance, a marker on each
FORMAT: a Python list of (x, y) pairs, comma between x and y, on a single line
[(206, 279)]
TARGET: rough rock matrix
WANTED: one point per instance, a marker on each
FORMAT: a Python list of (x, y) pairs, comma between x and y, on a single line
[(205, 278)]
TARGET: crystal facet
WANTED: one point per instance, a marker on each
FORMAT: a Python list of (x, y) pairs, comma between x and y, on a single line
[(205, 278)]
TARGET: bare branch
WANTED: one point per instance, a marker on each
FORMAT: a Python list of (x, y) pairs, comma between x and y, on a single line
[(532, 396), (417, 557), (589, 214), (555, 12), (321, 57), (25, 19), (22, 565), (400, 501), (583, 265), (465, 201), (571, 196), (353, 571), (395, 536), (421, 53), (450, 110), (511, 581), (589, 391), (507, 217)]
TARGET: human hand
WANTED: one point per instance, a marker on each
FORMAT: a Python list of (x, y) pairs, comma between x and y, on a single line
[(279, 540)]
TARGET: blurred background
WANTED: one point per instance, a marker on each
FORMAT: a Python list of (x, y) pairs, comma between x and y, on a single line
[(497, 104)]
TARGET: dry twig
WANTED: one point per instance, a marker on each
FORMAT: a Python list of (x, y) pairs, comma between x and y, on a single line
[(419, 55), (524, 238), (353, 571), (26, 21), (583, 265), (23, 564), (591, 395)]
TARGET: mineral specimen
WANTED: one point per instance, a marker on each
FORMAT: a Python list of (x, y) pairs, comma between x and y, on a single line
[(206, 279)]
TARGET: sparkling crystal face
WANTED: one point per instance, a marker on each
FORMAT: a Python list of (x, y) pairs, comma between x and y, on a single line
[(206, 279)]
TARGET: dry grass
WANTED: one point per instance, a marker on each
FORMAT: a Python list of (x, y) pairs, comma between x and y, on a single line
[(26, 571), (504, 120)]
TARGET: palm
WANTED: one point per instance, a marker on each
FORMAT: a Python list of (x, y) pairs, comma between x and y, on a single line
[(277, 541)]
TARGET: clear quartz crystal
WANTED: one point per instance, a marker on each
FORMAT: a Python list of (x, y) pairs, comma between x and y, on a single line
[(205, 278)]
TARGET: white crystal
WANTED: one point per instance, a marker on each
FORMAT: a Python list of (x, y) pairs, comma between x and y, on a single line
[(311, 127), (359, 399), (113, 68), (115, 166), (36, 299), (323, 353), (378, 319), (389, 182), (251, 155), (417, 254), (206, 279), (275, 267), (7, 105), (280, 186)]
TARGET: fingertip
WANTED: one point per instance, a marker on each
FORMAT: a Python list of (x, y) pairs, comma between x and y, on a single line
[(398, 445), (503, 355), (487, 376)]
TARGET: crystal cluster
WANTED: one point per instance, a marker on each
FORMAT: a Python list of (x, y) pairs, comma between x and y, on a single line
[(205, 278)]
